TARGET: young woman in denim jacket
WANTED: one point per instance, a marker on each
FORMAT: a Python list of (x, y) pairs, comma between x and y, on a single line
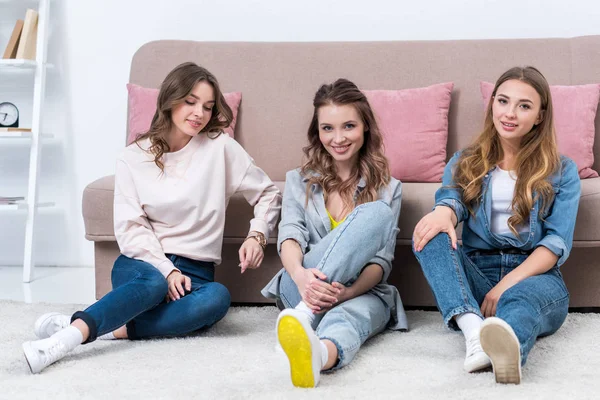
[(171, 189), (517, 199), (336, 239)]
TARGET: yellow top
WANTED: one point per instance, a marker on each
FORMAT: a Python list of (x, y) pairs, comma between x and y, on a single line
[(334, 223)]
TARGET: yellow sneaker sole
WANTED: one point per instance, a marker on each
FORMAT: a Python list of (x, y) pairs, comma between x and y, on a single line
[(296, 345)]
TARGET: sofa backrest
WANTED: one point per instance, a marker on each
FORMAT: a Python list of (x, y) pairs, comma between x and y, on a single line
[(278, 80)]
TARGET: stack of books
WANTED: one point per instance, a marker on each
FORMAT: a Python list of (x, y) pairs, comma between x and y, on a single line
[(11, 200), (22, 42)]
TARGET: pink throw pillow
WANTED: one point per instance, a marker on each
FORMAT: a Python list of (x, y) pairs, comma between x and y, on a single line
[(142, 106), (414, 125), (574, 114)]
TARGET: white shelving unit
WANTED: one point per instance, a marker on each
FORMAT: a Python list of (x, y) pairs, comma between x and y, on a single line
[(39, 67), (18, 63)]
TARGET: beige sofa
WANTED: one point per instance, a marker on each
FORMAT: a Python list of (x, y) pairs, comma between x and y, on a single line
[(278, 81)]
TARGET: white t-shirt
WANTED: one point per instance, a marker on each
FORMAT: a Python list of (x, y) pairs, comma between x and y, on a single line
[(503, 189), (182, 210)]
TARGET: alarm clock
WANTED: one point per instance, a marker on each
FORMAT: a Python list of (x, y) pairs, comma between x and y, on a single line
[(9, 115)]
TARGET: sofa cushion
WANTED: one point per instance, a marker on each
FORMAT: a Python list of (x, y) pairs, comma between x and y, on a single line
[(587, 228), (414, 125), (142, 106), (417, 200), (574, 115), (238, 216)]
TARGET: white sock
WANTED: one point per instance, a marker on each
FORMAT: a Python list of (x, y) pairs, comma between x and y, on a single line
[(307, 310), (469, 323), (324, 354), (71, 337), (106, 336)]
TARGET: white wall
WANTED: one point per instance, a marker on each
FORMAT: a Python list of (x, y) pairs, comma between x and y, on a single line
[(92, 43)]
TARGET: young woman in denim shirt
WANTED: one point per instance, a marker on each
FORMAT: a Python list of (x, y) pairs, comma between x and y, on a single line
[(172, 186), (518, 200), (336, 239)]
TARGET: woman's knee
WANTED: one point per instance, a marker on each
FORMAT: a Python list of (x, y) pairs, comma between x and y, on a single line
[(221, 299), (440, 242), (156, 285), (128, 271), (377, 212)]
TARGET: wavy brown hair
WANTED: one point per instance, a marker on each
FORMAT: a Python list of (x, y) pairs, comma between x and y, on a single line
[(372, 165), (536, 160), (176, 87)]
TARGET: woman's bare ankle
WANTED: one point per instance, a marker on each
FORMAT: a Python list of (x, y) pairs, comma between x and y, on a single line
[(121, 333), (332, 355)]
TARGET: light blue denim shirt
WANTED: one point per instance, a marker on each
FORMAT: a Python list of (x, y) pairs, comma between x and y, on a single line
[(308, 224), (553, 229)]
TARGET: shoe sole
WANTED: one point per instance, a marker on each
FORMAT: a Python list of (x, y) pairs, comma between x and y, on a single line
[(502, 346), (37, 329), (296, 345), (29, 352)]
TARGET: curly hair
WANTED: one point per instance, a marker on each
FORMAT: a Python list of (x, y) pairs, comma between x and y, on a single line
[(372, 165), (178, 84)]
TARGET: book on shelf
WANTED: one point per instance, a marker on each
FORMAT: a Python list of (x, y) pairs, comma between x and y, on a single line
[(11, 200), (13, 42), (15, 129), (28, 41)]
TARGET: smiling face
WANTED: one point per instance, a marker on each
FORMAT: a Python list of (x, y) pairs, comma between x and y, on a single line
[(192, 115), (342, 133), (516, 108)]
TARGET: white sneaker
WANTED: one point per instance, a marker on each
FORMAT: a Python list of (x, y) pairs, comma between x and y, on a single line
[(476, 358), (41, 353), (302, 347), (500, 343), (50, 323)]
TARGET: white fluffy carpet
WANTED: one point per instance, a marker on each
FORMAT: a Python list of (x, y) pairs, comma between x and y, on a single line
[(236, 359)]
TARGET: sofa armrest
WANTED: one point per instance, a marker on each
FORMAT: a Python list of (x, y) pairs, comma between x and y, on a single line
[(97, 208)]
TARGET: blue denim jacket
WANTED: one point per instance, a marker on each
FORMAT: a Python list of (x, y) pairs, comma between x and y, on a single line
[(553, 230), (308, 225)]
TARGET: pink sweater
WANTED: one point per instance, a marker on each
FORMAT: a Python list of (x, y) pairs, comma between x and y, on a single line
[(182, 211)]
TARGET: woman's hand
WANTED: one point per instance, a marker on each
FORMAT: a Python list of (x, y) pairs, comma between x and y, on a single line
[(176, 283), (251, 255), (315, 292), (490, 302), (345, 292), (439, 220)]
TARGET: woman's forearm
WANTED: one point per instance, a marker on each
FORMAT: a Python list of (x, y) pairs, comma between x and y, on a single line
[(538, 262), (449, 212), (369, 277)]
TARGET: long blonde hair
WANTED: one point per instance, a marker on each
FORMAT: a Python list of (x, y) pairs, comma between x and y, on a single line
[(372, 165), (536, 160), (178, 84)]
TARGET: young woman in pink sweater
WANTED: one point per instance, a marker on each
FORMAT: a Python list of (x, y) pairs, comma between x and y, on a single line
[(172, 187)]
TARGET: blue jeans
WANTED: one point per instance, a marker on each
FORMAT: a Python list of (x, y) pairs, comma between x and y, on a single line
[(341, 256), (534, 307), (138, 301)]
